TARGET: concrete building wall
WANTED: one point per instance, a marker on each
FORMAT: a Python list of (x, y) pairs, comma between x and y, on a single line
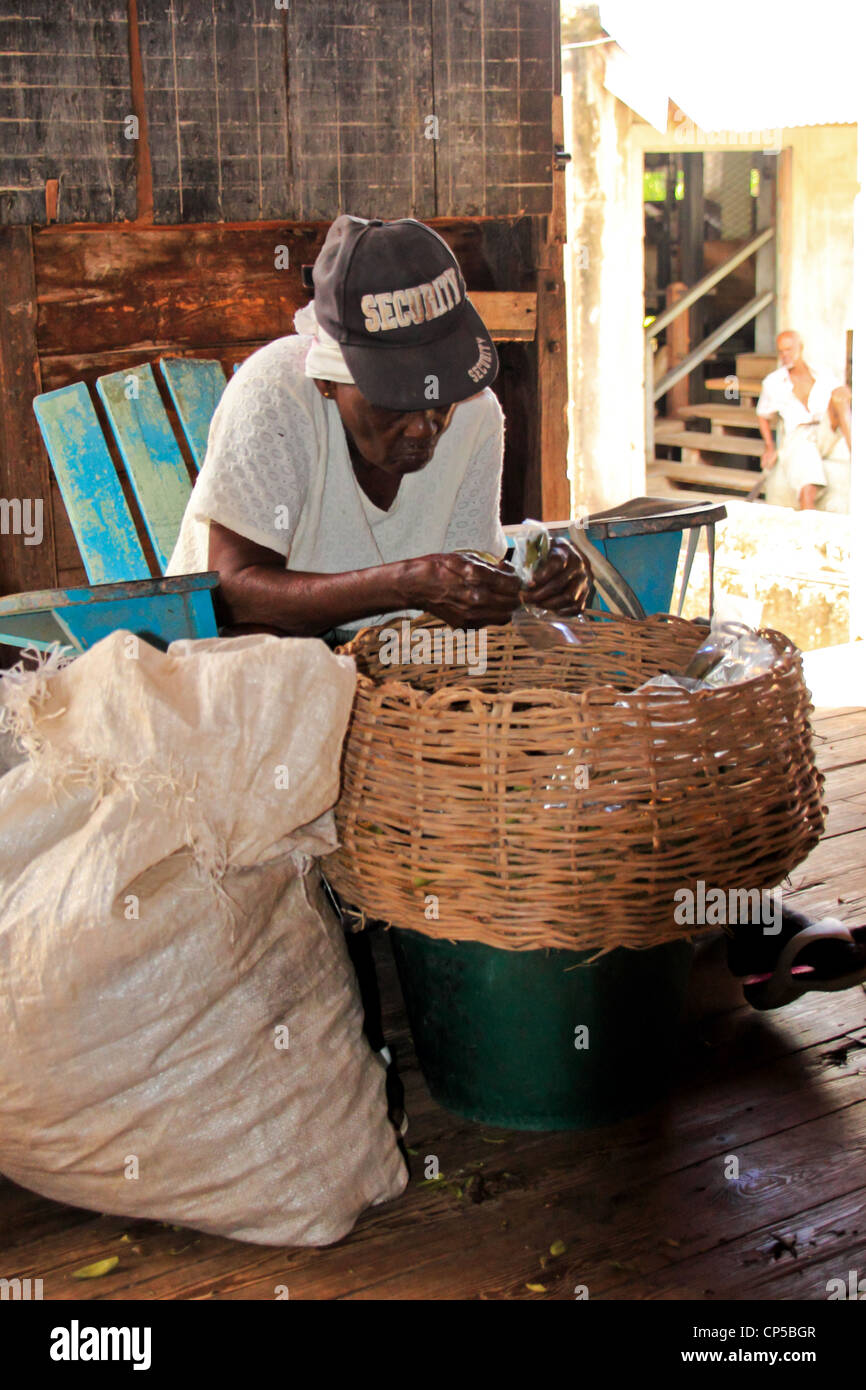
[(604, 285), (815, 257)]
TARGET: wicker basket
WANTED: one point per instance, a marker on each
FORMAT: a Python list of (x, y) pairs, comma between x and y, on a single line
[(538, 805)]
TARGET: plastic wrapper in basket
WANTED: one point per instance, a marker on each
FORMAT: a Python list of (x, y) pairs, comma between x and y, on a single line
[(546, 802)]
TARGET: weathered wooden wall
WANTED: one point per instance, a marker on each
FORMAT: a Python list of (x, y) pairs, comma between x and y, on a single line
[(64, 93), (106, 298), (298, 109), (256, 125)]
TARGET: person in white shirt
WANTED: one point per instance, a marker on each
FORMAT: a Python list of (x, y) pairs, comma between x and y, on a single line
[(350, 464), (815, 409)]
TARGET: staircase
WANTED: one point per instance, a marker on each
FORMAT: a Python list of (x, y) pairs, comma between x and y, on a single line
[(715, 460)]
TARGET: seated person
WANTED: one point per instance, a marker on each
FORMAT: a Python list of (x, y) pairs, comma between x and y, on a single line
[(348, 465), (815, 409)]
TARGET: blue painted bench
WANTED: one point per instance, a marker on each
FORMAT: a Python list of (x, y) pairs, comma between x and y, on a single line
[(121, 591)]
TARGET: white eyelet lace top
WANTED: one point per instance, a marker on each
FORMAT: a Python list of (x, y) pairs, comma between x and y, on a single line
[(278, 472)]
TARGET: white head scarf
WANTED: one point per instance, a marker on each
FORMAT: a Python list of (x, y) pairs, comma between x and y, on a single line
[(324, 360)]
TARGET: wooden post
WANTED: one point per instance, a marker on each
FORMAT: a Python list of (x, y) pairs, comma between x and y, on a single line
[(692, 249), (649, 403), (678, 348), (24, 468), (784, 240), (765, 260), (551, 340)]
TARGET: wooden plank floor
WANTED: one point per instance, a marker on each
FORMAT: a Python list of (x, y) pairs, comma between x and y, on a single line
[(643, 1209)]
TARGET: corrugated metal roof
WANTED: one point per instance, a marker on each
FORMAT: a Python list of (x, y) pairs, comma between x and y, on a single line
[(747, 65)]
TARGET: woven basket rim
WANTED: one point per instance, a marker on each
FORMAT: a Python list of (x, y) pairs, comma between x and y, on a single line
[(444, 792), (399, 689)]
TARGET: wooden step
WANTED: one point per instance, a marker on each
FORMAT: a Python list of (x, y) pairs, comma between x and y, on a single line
[(705, 474), (729, 415), (747, 386), (756, 364), (661, 486), (711, 443)]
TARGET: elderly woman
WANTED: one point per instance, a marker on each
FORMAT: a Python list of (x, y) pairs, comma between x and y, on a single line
[(348, 466)]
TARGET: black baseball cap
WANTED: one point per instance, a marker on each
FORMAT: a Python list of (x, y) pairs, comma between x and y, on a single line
[(392, 296)]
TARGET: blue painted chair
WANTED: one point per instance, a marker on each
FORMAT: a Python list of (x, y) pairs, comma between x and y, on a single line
[(641, 538), (121, 591)]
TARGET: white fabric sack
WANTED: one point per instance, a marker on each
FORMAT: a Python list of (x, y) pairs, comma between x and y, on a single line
[(181, 1026)]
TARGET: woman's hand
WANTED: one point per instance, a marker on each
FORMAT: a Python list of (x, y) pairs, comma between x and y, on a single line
[(563, 583), (462, 591)]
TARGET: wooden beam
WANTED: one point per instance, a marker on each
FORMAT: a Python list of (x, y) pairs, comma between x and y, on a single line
[(552, 355), (765, 260), (726, 415), (784, 235), (692, 247), (190, 285), (678, 347), (143, 166), (24, 472), (509, 316), (203, 284)]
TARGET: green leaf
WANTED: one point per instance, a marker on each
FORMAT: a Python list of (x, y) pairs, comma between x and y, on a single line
[(558, 1247), (537, 1288), (96, 1271)]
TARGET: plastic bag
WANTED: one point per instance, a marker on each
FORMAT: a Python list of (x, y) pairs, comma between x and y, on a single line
[(531, 548), (730, 653), (540, 628)]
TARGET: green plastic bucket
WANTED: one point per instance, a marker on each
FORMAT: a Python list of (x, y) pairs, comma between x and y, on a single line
[(540, 1039)]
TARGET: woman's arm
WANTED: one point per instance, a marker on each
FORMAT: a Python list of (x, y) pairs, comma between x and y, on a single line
[(256, 588)]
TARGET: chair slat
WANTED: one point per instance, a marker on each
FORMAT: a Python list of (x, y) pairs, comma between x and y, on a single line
[(195, 385), (98, 513), (158, 610), (150, 453)]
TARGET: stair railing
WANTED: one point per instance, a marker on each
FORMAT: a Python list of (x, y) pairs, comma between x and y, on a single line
[(654, 390)]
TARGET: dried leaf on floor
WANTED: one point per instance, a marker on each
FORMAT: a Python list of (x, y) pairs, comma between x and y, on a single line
[(96, 1271)]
